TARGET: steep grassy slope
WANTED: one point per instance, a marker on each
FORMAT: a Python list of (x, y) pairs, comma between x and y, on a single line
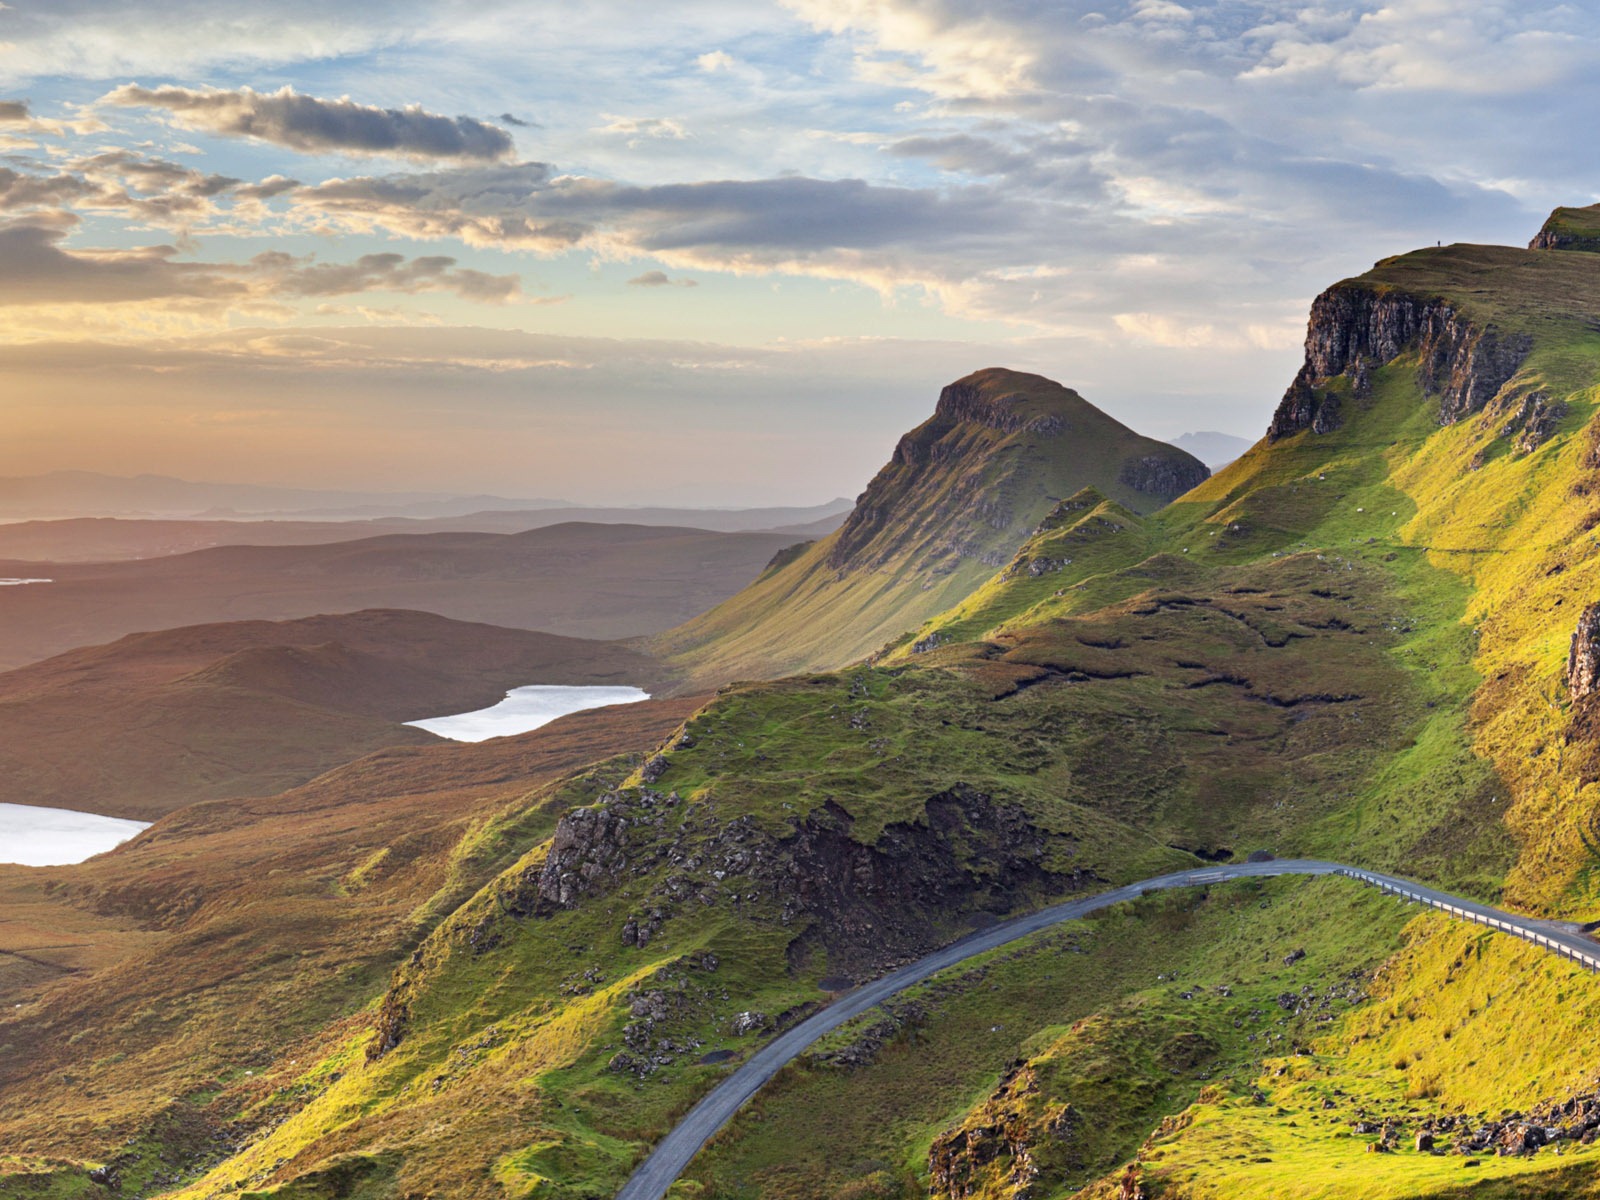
[(574, 579), (253, 707), (825, 826), (160, 989), (1352, 642), (962, 491)]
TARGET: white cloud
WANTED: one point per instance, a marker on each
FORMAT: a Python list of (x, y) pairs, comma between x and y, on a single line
[(638, 130)]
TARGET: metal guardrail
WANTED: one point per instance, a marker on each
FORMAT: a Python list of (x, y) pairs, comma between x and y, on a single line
[(1589, 959)]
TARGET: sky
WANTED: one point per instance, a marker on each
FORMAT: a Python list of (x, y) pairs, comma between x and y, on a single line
[(719, 251)]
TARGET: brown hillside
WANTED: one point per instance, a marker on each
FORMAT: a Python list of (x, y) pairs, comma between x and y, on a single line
[(229, 930), (117, 539), (252, 707), (579, 580)]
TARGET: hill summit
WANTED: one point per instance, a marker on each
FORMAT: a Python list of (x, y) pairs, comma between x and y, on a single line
[(1570, 229), (959, 496)]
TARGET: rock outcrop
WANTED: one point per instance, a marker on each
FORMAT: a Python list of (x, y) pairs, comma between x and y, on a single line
[(952, 463), (1163, 474), (1570, 229), (996, 1145), (1355, 327), (1304, 407), (972, 854), (1583, 659), (1529, 420), (966, 400), (865, 905)]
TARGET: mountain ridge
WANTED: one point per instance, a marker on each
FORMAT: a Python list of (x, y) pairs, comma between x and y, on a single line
[(959, 494), (572, 579)]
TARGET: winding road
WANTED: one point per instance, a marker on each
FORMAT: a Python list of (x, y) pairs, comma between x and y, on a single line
[(672, 1155)]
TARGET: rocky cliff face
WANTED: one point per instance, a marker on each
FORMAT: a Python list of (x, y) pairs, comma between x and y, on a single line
[(957, 447), (965, 400), (1583, 659), (938, 444), (864, 905), (1570, 229), (1355, 328), (1163, 474)]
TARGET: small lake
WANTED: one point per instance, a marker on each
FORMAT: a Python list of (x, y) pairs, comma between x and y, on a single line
[(526, 708), (55, 837)]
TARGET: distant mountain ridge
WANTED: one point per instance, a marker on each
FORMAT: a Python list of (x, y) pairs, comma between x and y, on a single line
[(60, 494), (64, 495), (113, 539), (1214, 449), (960, 494), (576, 579)]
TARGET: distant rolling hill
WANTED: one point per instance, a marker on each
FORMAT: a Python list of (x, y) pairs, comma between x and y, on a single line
[(156, 721), (963, 491), (109, 539), (1214, 449), (333, 880), (580, 580), (91, 493)]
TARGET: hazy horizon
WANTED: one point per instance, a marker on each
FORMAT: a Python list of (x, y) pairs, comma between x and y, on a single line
[(722, 254), (396, 496)]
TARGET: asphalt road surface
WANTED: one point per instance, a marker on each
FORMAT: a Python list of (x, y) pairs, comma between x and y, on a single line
[(669, 1159)]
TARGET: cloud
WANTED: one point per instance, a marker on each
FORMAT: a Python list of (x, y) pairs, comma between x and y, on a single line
[(639, 129), (386, 272), (123, 183), (266, 189), (886, 237), (102, 39), (1158, 329), (715, 60), (486, 206), (312, 125), (517, 121), (19, 116), (40, 270), (659, 279)]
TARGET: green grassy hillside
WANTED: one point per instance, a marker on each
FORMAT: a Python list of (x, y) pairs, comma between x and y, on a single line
[(1352, 643), (962, 492), (1570, 229)]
